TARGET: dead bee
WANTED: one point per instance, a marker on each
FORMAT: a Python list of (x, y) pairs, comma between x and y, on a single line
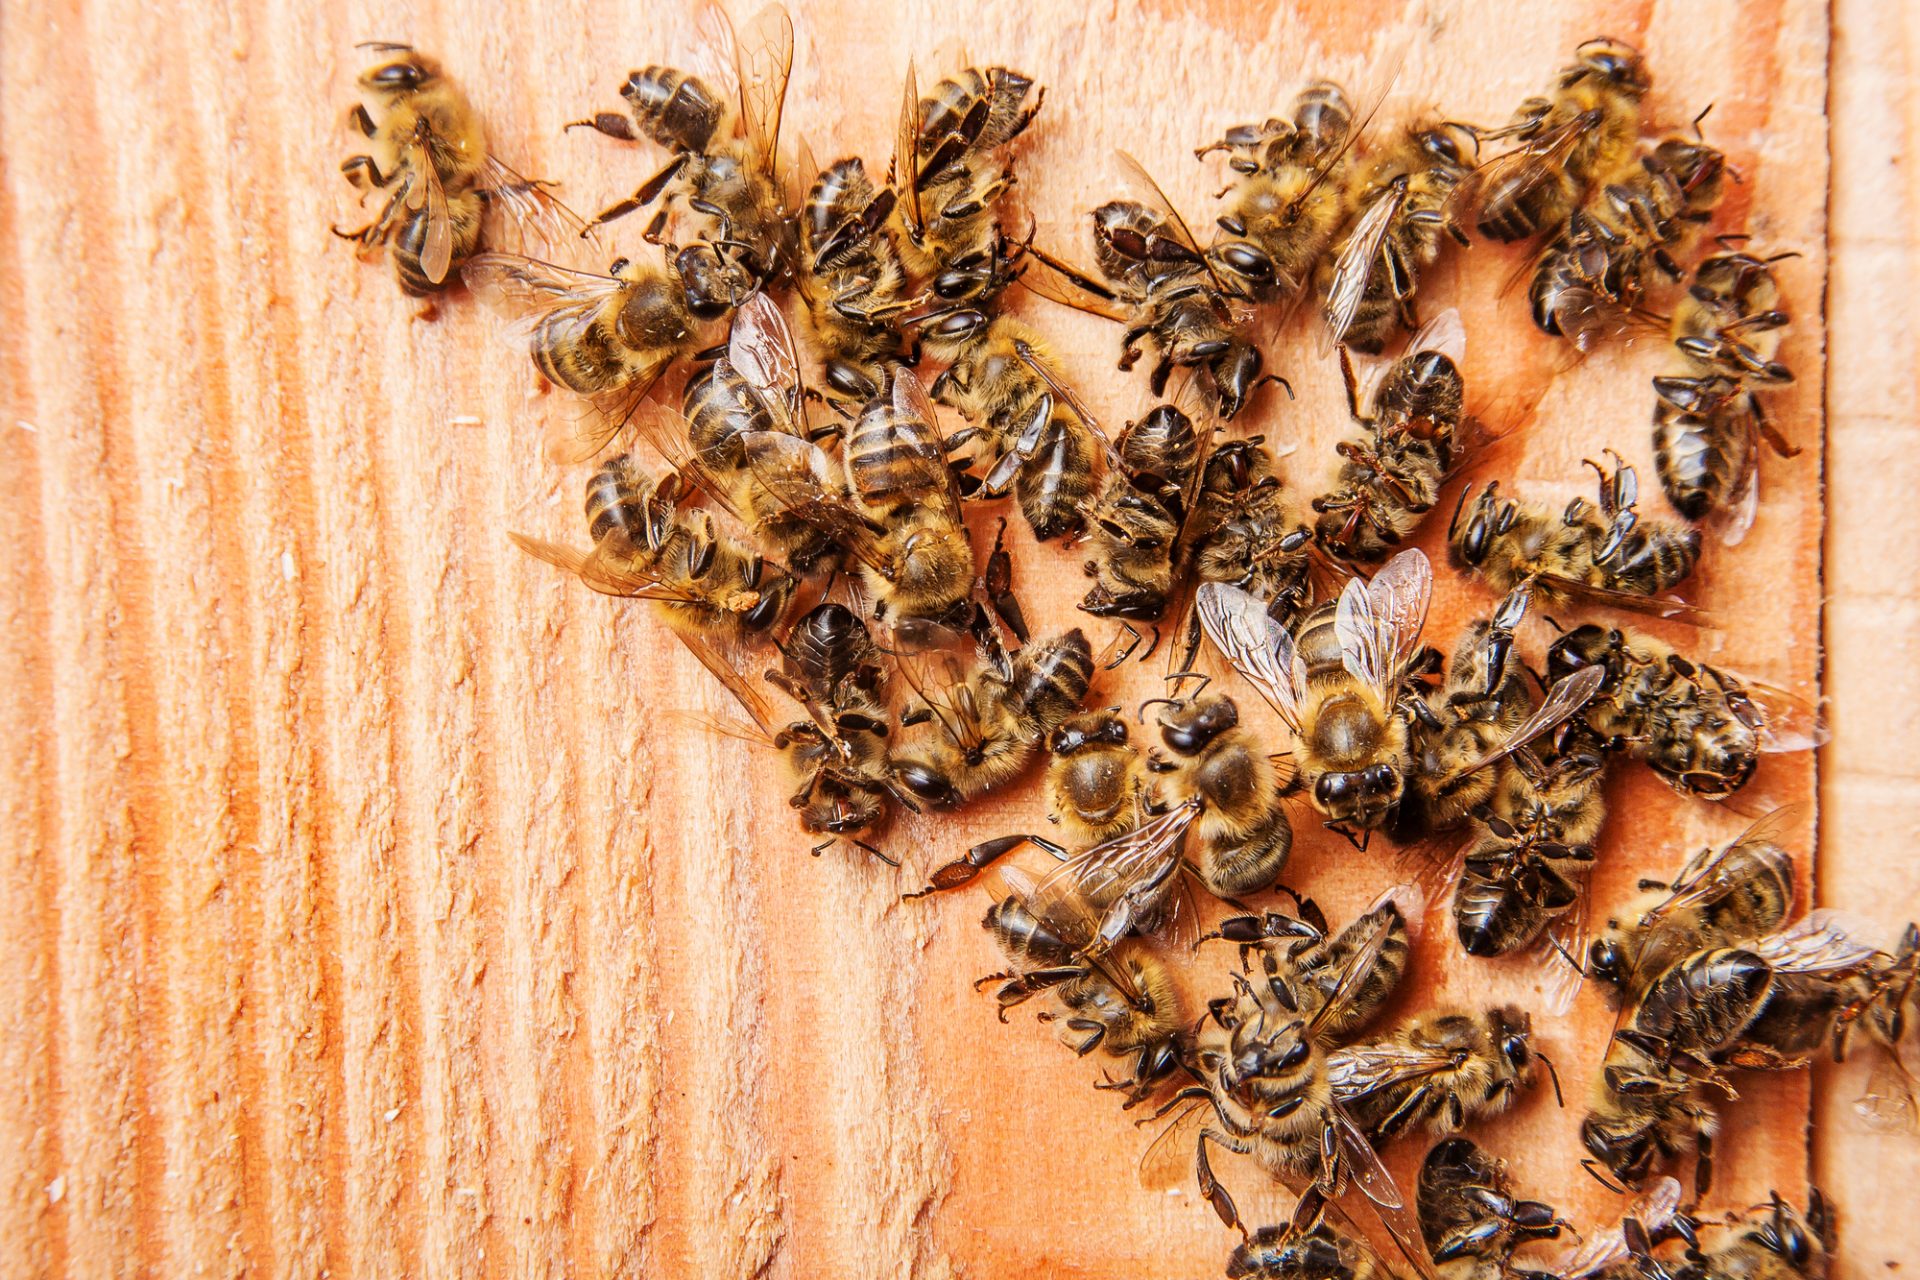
[(1439, 1070), (1315, 1253), (429, 151), (1585, 126), (1769, 1242), (1701, 728), (949, 169), (1136, 521), (1022, 419), (852, 280), (1595, 272), (1604, 555), (1707, 419), (1245, 531), (1153, 279), (1402, 218), (1391, 474), (1470, 1219), (1243, 829), (724, 158), (606, 337), (988, 724), (1094, 779)]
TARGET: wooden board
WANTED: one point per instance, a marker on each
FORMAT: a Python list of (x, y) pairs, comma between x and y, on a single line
[(369, 916)]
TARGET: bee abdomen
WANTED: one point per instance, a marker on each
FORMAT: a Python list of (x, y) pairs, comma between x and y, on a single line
[(675, 109), (1052, 684)]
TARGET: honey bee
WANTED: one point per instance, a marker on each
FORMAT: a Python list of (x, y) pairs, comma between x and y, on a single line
[(1771, 1242), (1290, 1253), (1245, 531), (428, 149), (1596, 270), (606, 337), (1722, 896), (1286, 200), (1469, 1217), (1700, 728), (1307, 956), (1154, 280), (1243, 829), (1143, 1027), (1135, 523), (1391, 475), (1439, 1070), (646, 548), (988, 724), (1405, 204), (1262, 1058), (1604, 555), (1706, 420), (947, 162), (1022, 419), (852, 279), (1586, 125), (724, 158), (1094, 779)]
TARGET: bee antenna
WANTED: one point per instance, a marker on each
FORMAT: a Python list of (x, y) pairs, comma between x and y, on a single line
[(1559, 1098), (1142, 712), (1459, 506), (1601, 1178), (1697, 119), (1177, 676)]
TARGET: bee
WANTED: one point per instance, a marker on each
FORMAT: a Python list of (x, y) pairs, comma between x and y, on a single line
[(1301, 950), (1772, 1242), (1391, 474), (1244, 530), (1262, 1059), (1706, 420), (1587, 124), (1469, 1217), (1440, 1070), (646, 548), (1287, 198), (1605, 555), (723, 165), (988, 724), (1243, 829), (1022, 419), (1289, 1253), (1136, 521), (606, 337), (1700, 728), (1406, 217), (428, 149), (1722, 896), (1141, 1023), (1153, 279), (1094, 778), (947, 163), (1597, 268), (853, 280)]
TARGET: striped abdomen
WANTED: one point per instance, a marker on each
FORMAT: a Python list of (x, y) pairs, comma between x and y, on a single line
[(675, 109)]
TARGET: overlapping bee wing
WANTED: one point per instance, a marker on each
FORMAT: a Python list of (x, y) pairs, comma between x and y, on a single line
[(1259, 648), (1378, 623)]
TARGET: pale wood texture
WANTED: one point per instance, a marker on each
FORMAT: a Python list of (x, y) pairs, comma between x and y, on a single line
[(366, 913)]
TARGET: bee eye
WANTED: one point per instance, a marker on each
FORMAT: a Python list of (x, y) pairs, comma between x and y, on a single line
[(1296, 1055), (1381, 777), (1330, 787), (1245, 260), (398, 75), (1515, 1050), (1604, 959)]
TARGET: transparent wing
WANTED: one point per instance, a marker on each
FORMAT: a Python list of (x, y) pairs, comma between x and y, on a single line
[(1068, 396), (1358, 1070), (1363, 1163), (763, 61), (1256, 644), (1888, 1104), (1709, 881), (531, 206), (1823, 941), (517, 285), (1061, 282), (1354, 269), (1353, 976), (1142, 184), (1560, 949), (756, 704), (1653, 1210), (914, 431), (1167, 1162), (761, 349), (1789, 722), (1379, 623), (612, 568), (1114, 884), (1445, 333), (1567, 696), (436, 251), (1518, 172), (1652, 606), (905, 176)]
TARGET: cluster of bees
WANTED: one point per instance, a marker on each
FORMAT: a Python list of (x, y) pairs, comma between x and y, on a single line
[(803, 535)]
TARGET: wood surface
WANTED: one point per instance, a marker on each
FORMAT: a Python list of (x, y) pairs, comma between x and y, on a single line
[(367, 912)]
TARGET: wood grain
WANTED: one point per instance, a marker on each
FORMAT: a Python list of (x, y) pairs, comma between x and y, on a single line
[(367, 912)]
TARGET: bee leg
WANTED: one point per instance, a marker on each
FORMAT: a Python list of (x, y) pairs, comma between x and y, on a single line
[(1094, 1031), (612, 123), (358, 118), (1215, 1194), (646, 195), (1703, 1167), (892, 862), (363, 173)]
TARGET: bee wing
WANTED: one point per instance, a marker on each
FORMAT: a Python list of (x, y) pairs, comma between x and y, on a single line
[(1708, 882), (1653, 1210), (1823, 941), (516, 284), (756, 704), (1363, 1165), (1566, 697), (531, 206), (1061, 282), (1379, 623), (761, 349), (1888, 1104), (1560, 949), (1355, 972), (1361, 1069), (763, 63), (1527, 165), (1652, 606), (1114, 884), (1788, 721), (612, 568), (914, 431), (1142, 184), (436, 251), (800, 476), (1256, 644), (904, 173), (1167, 1162), (1443, 332), (1067, 396), (1355, 266)]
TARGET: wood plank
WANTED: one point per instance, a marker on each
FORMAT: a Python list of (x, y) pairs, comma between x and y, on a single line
[(371, 917)]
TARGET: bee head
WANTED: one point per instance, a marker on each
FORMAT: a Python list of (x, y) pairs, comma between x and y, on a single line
[(1613, 61), (405, 73), (1188, 727), (1081, 732)]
